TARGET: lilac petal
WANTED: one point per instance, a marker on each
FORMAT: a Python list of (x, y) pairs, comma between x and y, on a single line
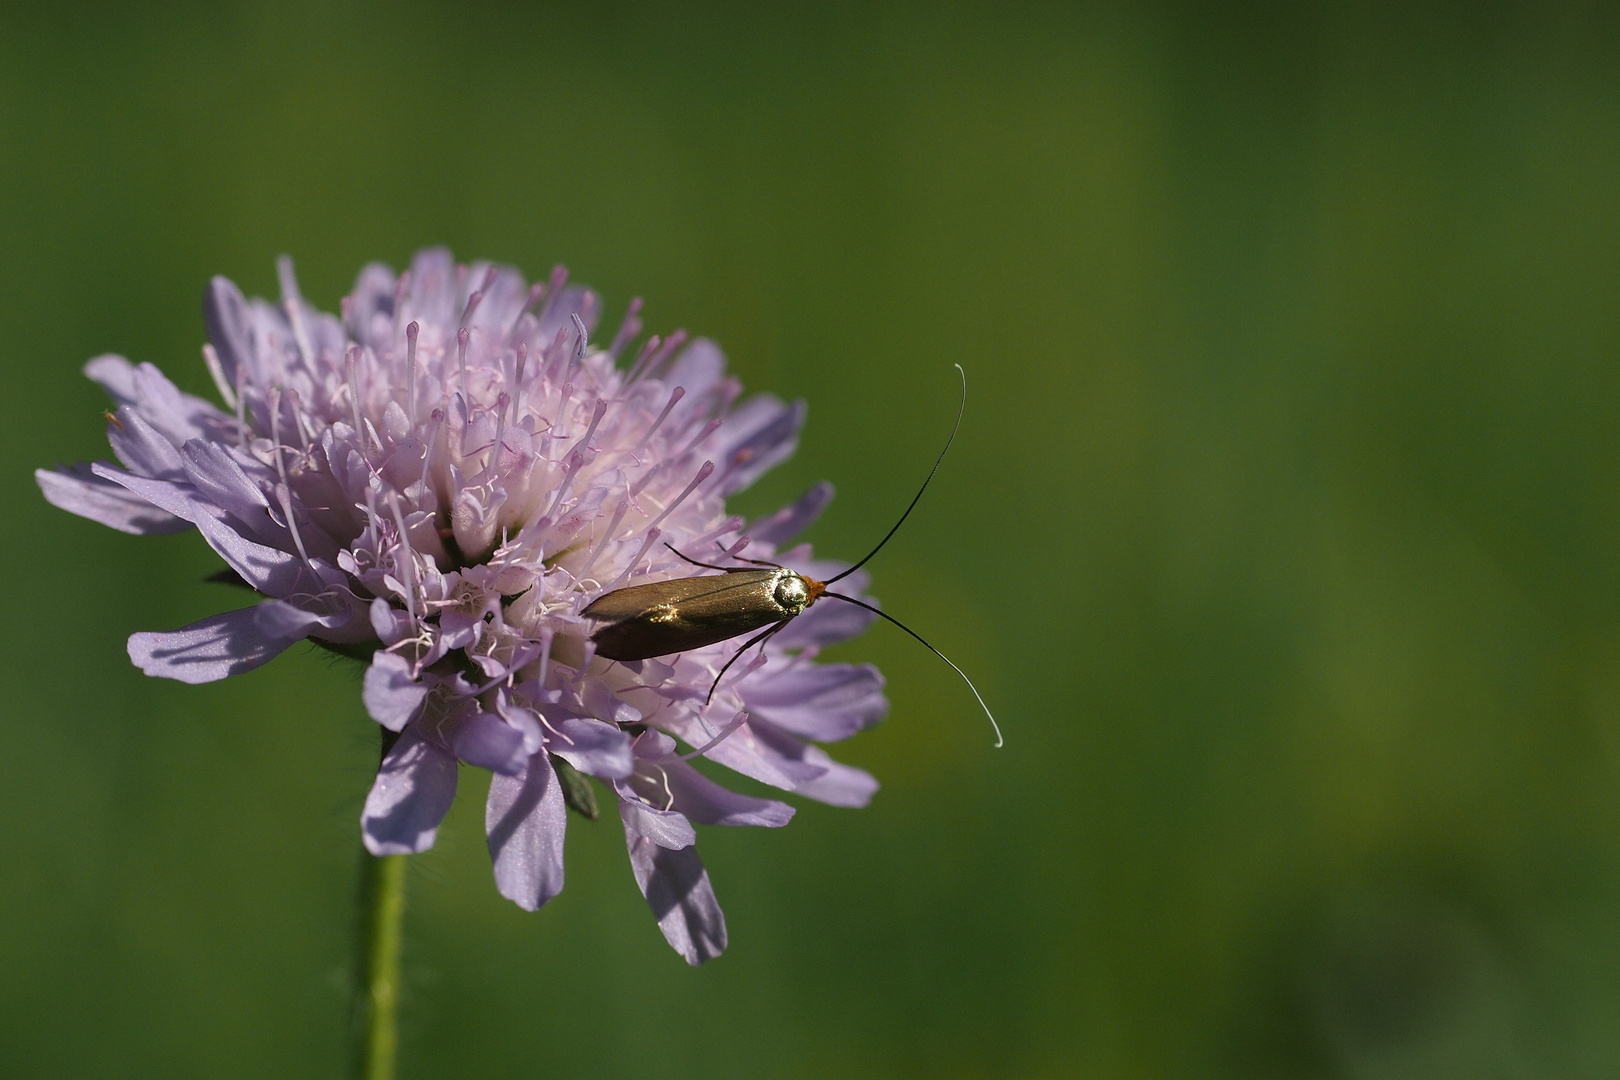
[(682, 900), (526, 819), (391, 695), (707, 803), (214, 648), (176, 416), (141, 449), (599, 698), (835, 783), (653, 745), (698, 367), (340, 615), (326, 334), (593, 747), (792, 519), (827, 622), (80, 491), (371, 311), (389, 623), (751, 454), (432, 294), (485, 740), (502, 298), (772, 756), (822, 702), (277, 618), (752, 414), (114, 374), (524, 720), (413, 791), (225, 317), (177, 497), (219, 479), (459, 629), (744, 752), (574, 300), (271, 571), (666, 828)]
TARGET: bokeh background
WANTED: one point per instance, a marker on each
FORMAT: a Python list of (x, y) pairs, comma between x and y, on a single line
[(1283, 531)]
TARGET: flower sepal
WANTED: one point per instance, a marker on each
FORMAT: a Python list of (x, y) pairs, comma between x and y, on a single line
[(577, 793)]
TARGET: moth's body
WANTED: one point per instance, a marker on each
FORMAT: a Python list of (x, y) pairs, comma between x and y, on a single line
[(664, 617)]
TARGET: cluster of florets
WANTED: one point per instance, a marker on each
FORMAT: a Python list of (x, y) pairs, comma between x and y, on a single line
[(439, 482)]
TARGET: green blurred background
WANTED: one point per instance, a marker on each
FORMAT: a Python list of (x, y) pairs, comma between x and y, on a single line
[(1282, 531)]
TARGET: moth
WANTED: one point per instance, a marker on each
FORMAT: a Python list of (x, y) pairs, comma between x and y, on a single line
[(640, 622)]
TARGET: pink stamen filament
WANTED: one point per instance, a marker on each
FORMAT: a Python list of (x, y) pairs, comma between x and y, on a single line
[(702, 475), (562, 410), (300, 421), (575, 463), (708, 429), (731, 524), (646, 478), (736, 722), (517, 380), (648, 351), (607, 534), (675, 396), (462, 337), (410, 557), (354, 397), (596, 418), (671, 344), (536, 291), (546, 634), (284, 497), (628, 329), (431, 444), (402, 285), (650, 539), (500, 434), (216, 371), (554, 288), (290, 302), (273, 398), (411, 333)]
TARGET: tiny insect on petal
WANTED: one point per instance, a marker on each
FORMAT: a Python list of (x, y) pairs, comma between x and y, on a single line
[(664, 617)]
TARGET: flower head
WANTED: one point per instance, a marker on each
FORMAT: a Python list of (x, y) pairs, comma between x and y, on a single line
[(440, 482)]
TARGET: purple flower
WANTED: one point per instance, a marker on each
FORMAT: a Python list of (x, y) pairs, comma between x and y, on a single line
[(440, 481)]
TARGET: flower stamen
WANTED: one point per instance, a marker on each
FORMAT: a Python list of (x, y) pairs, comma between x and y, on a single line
[(702, 474)]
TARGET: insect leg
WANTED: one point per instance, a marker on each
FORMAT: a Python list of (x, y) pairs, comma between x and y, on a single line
[(694, 562), (758, 639)]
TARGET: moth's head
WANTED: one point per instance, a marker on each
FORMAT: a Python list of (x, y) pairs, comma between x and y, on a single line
[(795, 592)]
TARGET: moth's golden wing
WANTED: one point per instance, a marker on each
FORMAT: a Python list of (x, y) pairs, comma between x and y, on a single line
[(632, 601), (664, 617)]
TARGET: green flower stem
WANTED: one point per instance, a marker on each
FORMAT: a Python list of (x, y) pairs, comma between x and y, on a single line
[(382, 924)]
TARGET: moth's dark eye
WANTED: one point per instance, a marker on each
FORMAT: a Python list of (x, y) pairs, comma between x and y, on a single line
[(792, 593)]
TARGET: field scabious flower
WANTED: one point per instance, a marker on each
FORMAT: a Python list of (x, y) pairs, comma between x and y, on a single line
[(439, 482)]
